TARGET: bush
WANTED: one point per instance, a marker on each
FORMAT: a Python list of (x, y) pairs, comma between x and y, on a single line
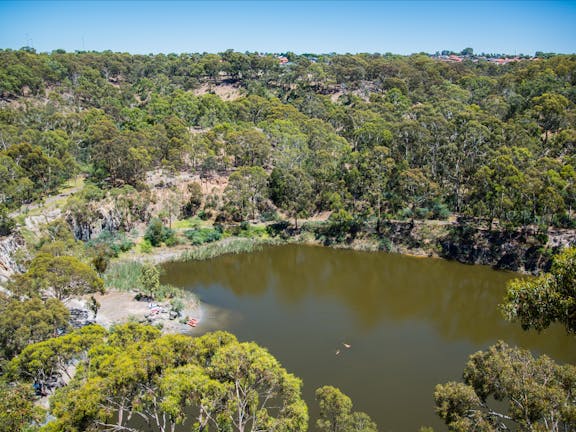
[(157, 233), (405, 213), (7, 224), (269, 215), (422, 213), (203, 235), (279, 229), (113, 242), (177, 305), (145, 247), (440, 211), (384, 244), (205, 214), (252, 231)]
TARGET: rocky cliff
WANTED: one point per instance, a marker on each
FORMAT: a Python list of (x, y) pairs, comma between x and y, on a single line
[(523, 250), (8, 265)]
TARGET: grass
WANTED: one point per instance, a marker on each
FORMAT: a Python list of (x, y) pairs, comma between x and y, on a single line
[(229, 246), (186, 223), (193, 222), (123, 275), (73, 183)]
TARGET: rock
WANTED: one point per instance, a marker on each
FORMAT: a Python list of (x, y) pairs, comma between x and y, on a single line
[(81, 317), (80, 313), (8, 265)]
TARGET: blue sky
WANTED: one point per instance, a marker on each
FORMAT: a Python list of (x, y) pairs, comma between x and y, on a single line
[(401, 27)]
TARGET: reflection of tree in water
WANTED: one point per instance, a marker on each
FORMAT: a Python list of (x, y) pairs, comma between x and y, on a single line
[(459, 301)]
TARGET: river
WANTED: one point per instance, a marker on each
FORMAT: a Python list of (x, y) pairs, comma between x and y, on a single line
[(411, 323)]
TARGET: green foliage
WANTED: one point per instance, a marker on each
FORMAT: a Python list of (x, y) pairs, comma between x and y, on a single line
[(61, 277), (336, 413), (246, 192), (146, 246), (203, 235), (123, 276), (113, 243), (229, 246), (194, 202), (7, 224), (538, 393), (481, 139), (538, 302), (149, 279), (157, 233), (28, 321), (17, 409), (209, 381)]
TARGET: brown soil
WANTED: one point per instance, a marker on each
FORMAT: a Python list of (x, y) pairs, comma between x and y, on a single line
[(226, 92)]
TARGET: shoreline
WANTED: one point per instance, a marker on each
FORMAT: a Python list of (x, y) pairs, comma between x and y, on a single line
[(124, 307)]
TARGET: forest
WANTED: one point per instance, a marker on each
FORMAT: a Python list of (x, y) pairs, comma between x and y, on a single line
[(364, 139)]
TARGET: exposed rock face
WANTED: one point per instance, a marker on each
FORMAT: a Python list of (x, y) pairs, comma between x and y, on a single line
[(8, 265), (515, 251), (86, 226), (523, 250), (80, 313)]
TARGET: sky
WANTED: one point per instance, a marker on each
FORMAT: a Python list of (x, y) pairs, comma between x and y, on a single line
[(300, 26)]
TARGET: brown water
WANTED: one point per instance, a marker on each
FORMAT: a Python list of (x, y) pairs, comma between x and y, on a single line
[(411, 322)]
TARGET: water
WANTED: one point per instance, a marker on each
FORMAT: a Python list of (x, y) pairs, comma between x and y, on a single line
[(411, 322)]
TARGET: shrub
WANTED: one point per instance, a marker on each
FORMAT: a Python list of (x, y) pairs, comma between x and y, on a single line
[(177, 305), (279, 229), (157, 233), (203, 235), (440, 211), (145, 247), (205, 214), (7, 224), (113, 242), (269, 215)]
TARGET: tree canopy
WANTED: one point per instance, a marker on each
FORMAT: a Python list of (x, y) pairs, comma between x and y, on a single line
[(538, 302)]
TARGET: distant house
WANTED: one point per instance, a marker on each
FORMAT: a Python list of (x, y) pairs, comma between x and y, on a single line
[(282, 60)]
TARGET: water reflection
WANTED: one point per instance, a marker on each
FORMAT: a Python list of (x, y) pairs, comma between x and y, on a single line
[(459, 301), (412, 322)]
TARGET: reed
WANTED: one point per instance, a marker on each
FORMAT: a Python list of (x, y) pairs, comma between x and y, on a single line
[(123, 276), (234, 245)]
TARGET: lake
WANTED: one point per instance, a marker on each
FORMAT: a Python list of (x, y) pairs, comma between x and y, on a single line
[(411, 323)]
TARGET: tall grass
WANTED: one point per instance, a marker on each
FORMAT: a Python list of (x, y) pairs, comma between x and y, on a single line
[(123, 276), (228, 246)]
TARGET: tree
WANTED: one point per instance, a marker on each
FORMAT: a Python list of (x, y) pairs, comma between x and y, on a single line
[(61, 277), (292, 192), (551, 297), (45, 363), (17, 408), (195, 200), (535, 394), (336, 413), (250, 147), (7, 224), (149, 279), (156, 233), (165, 380), (29, 321), (246, 191), (550, 112)]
